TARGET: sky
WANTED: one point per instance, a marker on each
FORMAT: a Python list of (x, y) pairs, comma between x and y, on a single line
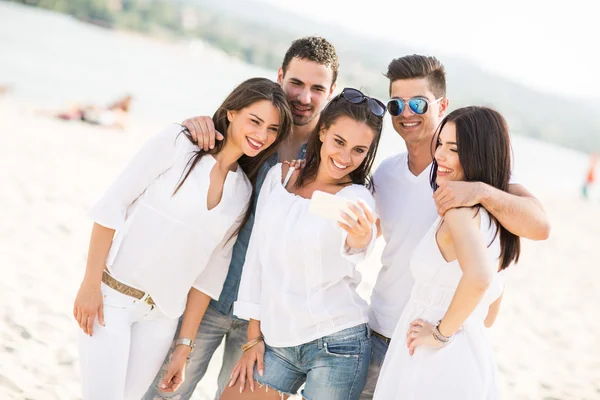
[(548, 45)]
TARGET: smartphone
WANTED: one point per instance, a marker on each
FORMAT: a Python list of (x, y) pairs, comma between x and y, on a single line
[(330, 206)]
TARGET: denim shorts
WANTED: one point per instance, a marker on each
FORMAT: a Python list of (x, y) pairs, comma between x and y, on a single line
[(333, 367)]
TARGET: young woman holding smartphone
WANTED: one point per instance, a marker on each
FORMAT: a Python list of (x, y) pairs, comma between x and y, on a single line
[(308, 325)]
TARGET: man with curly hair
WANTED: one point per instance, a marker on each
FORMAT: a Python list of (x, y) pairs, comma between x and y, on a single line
[(307, 75)]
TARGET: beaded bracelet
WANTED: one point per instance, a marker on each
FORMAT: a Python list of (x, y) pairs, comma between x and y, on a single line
[(352, 251), (437, 335), (252, 343)]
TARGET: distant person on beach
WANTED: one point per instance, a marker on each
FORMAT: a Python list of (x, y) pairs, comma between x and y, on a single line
[(590, 176), (113, 116), (162, 242), (406, 206), (4, 89), (308, 324), (439, 348), (307, 76)]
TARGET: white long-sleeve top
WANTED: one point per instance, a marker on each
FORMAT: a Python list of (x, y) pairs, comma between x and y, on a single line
[(295, 279), (166, 244)]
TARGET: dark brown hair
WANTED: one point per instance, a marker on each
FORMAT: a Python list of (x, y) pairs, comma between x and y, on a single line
[(484, 153), (316, 49), (417, 66), (339, 107), (244, 95)]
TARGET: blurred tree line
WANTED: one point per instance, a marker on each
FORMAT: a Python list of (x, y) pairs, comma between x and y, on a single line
[(87, 10), (260, 35), (177, 19)]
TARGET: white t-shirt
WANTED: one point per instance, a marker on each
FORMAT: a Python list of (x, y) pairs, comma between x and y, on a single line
[(166, 244), (406, 210), (295, 279)]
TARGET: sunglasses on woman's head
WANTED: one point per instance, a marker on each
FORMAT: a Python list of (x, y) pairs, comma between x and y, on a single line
[(418, 105), (355, 96)]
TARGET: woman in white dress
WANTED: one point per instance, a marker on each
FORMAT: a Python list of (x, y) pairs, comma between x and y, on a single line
[(162, 239), (439, 349)]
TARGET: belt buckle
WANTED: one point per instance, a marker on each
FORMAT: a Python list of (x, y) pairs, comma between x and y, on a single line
[(150, 302), (386, 339)]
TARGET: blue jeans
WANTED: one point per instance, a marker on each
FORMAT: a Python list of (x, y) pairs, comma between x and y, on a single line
[(213, 328), (333, 367), (379, 348)]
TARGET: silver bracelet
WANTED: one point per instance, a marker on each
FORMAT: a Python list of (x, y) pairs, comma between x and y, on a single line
[(185, 342)]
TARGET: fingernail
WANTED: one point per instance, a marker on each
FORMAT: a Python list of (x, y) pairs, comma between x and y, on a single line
[(231, 382), (260, 372), (163, 386), (252, 388), (240, 389)]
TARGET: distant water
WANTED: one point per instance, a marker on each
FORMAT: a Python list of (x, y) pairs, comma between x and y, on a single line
[(56, 59), (52, 59)]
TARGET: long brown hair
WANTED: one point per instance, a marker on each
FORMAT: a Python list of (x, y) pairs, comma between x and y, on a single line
[(484, 153), (339, 107), (244, 95)]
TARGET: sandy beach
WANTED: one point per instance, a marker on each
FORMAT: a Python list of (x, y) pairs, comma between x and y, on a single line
[(546, 338)]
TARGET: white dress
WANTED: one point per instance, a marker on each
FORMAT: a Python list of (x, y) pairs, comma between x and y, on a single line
[(465, 368)]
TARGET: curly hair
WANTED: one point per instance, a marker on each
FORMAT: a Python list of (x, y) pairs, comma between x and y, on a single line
[(313, 48)]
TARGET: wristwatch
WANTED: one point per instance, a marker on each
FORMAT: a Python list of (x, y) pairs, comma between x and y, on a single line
[(185, 342)]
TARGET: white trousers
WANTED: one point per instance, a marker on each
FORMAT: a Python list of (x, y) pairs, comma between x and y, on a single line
[(122, 358)]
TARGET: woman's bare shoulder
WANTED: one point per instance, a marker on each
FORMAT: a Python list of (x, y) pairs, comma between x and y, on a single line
[(463, 215)]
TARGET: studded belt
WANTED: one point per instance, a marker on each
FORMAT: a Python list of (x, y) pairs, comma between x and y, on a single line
[(127, 290)]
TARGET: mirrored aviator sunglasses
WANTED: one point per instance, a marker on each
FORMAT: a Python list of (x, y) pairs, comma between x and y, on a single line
[(418, 105), (355, 96)]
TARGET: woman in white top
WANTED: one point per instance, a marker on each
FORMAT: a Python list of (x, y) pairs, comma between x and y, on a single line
[(439, 349), (297, 289), (162, 239)]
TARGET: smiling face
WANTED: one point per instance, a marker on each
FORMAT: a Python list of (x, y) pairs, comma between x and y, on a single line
[(449, 167), (415, 128), (345, 145), (307, 86), (254, 128)]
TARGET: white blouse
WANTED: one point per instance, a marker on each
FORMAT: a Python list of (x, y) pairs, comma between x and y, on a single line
[(295, 279), (166, 244)]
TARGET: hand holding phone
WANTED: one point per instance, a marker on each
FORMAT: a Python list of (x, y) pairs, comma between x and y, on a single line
[(356, 219), (330, 206)]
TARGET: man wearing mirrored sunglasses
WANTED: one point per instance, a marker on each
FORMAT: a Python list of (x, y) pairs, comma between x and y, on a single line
[(406, 206)]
